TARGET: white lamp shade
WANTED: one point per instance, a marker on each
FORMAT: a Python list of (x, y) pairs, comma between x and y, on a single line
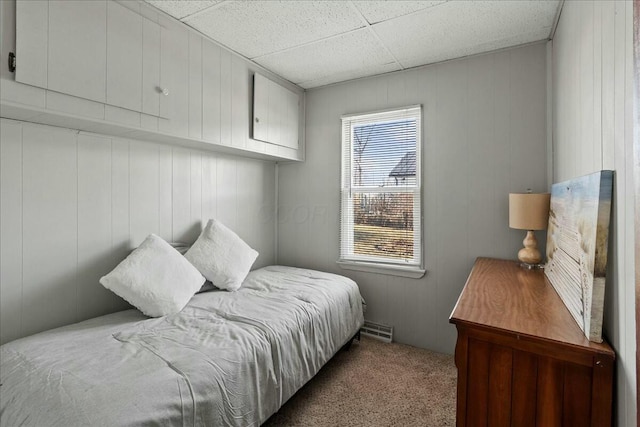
[(529, 211)]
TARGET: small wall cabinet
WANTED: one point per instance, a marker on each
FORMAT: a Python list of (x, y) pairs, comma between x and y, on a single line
[(275, 113), (522, 360)]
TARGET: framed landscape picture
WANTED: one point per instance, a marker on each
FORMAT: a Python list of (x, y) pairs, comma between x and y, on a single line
[(577, 240)]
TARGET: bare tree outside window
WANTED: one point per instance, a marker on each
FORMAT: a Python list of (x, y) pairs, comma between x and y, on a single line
[(361, 142)]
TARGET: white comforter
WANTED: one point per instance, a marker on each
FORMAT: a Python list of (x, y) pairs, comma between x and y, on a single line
[(229, 358)]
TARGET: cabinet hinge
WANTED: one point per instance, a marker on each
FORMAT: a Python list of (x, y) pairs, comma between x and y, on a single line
[(12, 62)]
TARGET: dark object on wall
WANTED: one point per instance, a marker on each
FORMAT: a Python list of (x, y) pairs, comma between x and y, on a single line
[(12, 62)]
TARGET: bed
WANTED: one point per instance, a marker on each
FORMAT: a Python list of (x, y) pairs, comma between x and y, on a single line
[(228, 358)]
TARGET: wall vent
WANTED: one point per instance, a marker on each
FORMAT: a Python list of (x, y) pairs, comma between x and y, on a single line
[(378, 331)]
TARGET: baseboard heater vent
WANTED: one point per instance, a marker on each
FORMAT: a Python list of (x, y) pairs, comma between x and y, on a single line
[(378, 331)]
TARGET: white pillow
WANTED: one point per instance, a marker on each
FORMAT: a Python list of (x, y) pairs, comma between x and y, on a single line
[(154, 278), (221, 256)]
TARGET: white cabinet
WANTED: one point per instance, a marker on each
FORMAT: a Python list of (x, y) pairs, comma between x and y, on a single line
[(124, 57), (211, 91), (174, 78), (77, 48), (275, 113), (97, 50), (123, 68), (195, 85), (150, 68), (32, 37)]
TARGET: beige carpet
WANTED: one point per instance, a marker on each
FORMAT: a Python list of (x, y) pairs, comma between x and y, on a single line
[(376, 384)]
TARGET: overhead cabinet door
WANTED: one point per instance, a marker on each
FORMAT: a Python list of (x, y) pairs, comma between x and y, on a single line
[(275, 113), (96, 50), (32, 42), (174, 78), (124, 57), (150, 68), (77, 48), (61, 46)]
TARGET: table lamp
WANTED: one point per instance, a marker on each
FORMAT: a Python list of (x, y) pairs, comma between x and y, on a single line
[(529, 211)]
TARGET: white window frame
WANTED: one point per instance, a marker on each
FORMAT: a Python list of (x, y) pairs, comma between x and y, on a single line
[(385, 265)]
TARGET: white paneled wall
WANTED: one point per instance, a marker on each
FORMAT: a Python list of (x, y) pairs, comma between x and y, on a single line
[(592, 130), (484, 132), (74, 204)]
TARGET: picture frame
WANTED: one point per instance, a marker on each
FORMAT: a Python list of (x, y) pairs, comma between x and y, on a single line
[(577, 247)]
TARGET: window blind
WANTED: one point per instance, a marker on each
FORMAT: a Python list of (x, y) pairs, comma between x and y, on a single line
[(380, 218)]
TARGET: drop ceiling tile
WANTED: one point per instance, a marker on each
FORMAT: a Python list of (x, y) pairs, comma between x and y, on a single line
[(439, 55), (378, 11), (342, 54), (457, 29), (258, 28), (350, 75), (181, 8)]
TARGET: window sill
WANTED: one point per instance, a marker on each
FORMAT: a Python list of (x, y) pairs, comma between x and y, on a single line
[(391, 270)]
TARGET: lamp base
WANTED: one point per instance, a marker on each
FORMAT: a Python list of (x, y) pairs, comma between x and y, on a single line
[(530, 253)]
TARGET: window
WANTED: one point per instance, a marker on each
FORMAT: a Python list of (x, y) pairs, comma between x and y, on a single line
[(381, 198)]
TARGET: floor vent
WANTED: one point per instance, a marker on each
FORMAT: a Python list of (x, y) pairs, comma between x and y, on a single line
[(378, 331)]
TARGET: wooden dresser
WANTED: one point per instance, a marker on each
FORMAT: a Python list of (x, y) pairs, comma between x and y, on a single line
[(522, 360)]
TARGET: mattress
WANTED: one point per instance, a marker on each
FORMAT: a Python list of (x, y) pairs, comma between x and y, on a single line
[(228, 358)]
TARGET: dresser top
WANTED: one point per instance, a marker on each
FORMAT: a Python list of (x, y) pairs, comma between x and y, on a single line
[(502, 296)]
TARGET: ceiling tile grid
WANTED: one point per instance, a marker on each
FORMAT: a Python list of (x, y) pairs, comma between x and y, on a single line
[(182, 8), (316, 43), (458, 29), (384, 10), (350, 75), (258, 28), (342, 54), (440, 55)]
